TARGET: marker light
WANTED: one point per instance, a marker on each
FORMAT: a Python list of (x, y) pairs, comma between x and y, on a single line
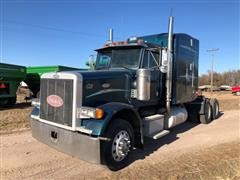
[(99, 113), (2, 86)]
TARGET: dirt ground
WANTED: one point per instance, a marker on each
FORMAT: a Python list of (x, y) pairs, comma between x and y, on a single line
[(190, 151), (15, 119)]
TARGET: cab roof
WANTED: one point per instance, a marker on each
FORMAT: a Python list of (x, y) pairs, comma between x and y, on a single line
[(128, 46)]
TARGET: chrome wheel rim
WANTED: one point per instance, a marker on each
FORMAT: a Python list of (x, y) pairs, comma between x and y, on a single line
[(121, 145)]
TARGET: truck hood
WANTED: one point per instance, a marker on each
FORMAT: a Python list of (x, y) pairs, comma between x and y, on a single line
[(103, 86)]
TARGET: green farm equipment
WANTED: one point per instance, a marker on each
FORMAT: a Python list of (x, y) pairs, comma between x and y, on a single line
[(10, 77), (34, 73)]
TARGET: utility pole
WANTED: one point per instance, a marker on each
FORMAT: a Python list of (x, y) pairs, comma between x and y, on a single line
[(212, 51)]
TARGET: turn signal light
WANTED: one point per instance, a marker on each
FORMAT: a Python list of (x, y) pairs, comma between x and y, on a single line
[(2, 86), (89, 112), (99, 113)]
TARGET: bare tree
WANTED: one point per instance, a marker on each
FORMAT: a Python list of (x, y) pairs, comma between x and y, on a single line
[(230, 78)]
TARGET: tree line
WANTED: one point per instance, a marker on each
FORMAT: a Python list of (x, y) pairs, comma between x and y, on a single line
[(230, 78)]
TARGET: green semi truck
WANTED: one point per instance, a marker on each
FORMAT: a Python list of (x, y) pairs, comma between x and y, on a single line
[(142, 87), (12, 75)]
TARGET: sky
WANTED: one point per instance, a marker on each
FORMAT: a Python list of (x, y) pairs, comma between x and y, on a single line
[(66, 32)]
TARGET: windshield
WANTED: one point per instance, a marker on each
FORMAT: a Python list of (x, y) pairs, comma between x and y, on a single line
[(118, 58)]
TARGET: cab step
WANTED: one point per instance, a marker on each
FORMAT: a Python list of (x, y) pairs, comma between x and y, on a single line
[(161, 134)]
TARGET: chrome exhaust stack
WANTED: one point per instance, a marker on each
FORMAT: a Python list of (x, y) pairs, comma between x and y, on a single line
[(110, 35), (169, 71)]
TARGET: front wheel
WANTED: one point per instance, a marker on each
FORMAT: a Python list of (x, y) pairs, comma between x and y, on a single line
[(115, 152)]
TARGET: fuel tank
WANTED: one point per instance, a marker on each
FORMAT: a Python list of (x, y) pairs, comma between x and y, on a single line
[(178, 116)]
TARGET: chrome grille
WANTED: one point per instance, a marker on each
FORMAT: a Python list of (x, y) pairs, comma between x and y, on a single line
[(62, 88)]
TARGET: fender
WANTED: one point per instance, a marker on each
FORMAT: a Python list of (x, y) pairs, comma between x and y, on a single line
[(198, 104), (110, 109), (203, 104)]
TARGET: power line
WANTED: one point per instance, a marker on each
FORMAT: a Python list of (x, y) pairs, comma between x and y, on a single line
[(50, 28), (212, 51), (56, 29)]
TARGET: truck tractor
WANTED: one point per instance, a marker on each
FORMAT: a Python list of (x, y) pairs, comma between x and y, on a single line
[(139, 88)]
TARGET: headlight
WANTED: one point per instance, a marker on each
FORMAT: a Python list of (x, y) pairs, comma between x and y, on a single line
[(88, 112)]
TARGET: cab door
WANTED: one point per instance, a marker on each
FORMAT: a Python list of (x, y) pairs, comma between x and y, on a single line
[(151, 61)]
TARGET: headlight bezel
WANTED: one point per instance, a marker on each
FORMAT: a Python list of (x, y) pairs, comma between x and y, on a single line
[(89, 112)]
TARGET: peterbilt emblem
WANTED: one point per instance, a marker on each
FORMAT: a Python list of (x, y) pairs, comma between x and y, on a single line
[(106, 85), (54, 100)]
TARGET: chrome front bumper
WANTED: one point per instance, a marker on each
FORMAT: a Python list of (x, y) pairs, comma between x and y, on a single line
[(73, 143)]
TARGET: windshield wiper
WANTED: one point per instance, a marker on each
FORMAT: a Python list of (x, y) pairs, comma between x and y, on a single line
[(100, 68), (120, 65)]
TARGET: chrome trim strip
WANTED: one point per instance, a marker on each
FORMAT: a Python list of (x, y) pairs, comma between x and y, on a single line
[(51, 123), (104, 91), (80, 129)]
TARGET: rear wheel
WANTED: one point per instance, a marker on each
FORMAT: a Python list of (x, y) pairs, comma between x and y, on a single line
[(215, 108), (207, 116), (115, 152)]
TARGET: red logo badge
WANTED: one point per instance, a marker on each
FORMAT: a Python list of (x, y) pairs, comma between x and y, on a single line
[(54, 101)]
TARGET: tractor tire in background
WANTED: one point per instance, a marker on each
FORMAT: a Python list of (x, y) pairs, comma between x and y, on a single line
[(11, 101), (7, 101), (3, 102), (38, 95)]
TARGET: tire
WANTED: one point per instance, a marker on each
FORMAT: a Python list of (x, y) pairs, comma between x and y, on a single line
[(120, 133), (3, 102), (215, 108), (8, 102), (38, 95), (11, 101), (238, 93), (207, 116)]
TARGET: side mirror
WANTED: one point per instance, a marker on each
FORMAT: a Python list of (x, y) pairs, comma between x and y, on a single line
[(164, 64), (91, 62)]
